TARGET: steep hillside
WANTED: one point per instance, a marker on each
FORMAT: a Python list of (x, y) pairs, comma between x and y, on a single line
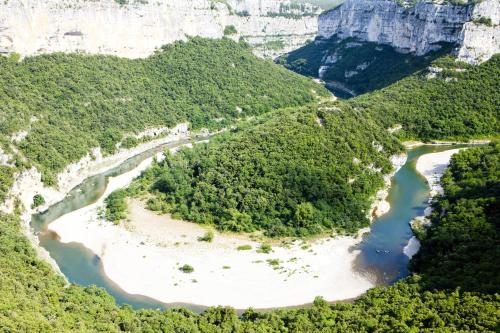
[(364, 45), (451, 100), (418, 27), (350, 67), (56, 108), (135, 28)]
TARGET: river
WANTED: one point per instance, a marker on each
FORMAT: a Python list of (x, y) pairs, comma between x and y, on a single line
[(381, 249)]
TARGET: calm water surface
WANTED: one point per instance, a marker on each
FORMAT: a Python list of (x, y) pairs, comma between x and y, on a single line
[(381, 250)]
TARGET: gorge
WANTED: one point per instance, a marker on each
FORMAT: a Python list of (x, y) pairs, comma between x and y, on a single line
[(159, 174)]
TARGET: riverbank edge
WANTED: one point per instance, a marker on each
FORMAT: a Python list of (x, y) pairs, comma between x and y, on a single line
[(130, 287), (28, 183), (433, 182)]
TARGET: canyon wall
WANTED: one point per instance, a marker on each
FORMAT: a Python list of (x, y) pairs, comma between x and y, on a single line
[(418, 28), (138, 27)]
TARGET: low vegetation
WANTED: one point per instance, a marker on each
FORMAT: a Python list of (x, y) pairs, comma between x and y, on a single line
[(230, 30), (6, 181), (265, 248), (116, 207), (207, 237), (38, 200), (186, 268)]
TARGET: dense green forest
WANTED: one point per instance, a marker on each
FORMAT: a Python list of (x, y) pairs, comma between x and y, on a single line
[(358, 66), (461, 102), (296, 172), (462, 248), (69, 103), (445, 296)]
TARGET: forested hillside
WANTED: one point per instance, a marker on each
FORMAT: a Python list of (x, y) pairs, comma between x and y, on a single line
[(69, 103), (462, 249), (352, 67), (444, 299), (298, 172), (454, 101)]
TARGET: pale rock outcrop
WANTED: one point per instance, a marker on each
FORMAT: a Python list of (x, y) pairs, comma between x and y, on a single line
[(418, 29), (4, 158), (137, 29), (478, 40)]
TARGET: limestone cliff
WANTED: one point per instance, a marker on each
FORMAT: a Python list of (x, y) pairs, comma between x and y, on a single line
[(418, 28), (137, 28)]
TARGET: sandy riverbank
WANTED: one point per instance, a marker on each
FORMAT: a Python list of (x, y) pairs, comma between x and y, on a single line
[(431, 166), (380, 205), (29, 182), (143, 256)]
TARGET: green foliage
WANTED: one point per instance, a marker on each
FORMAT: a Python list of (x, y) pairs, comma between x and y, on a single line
[(73, 102), (460, 254), (14, 57), (116, 207), (461, 248), (207, 237), (358, 66), (38, 200), (35, 299), (230, 30), (130, 142), (460, 103), (186, 268), (6, 181), (484, 21), (265, 248), (244, 247), (296, 173)]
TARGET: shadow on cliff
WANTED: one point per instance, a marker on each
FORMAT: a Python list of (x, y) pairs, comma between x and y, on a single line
[(351, 67)]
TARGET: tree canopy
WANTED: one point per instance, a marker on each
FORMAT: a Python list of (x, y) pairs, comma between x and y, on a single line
[(295, 172)]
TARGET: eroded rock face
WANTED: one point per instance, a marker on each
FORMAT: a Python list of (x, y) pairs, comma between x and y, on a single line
[(135, 30), (418, 29)]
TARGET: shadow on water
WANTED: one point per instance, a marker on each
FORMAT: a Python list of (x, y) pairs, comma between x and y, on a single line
[(381, 249)]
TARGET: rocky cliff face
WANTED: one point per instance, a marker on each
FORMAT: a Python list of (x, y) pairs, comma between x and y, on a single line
[(420, 28), (137, 28)]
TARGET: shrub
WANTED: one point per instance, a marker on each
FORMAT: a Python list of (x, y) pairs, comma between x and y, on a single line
[(265, 248), (244, 247), (230, 30), (186, 269), (38, 200), (116, 207), (207, 237)]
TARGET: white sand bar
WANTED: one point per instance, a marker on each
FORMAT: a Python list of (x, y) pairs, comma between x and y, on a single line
[(143, 257), (432, 167)]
